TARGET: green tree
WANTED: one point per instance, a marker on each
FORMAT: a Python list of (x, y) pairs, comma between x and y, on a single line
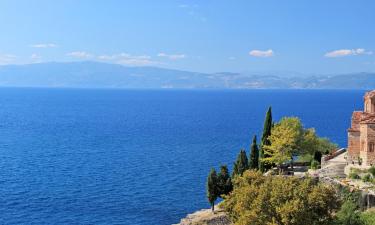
[(224, 181), (241, 164), (315, 146), (286, 140), (265, 141), (267, 127), (254, 154), (290, 139), (212, 188), (275, 200)]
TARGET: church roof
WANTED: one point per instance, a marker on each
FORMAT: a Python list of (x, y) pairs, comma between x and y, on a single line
[(367, 118), (356, 116), (356, 119)]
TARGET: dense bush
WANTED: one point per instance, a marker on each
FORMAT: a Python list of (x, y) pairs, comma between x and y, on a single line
[(367, 178), (259, 200), (354, 175), (372, 171), (349, 214), (368, 218)]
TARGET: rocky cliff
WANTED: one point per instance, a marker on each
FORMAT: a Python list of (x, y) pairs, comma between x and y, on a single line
[(206, 217)]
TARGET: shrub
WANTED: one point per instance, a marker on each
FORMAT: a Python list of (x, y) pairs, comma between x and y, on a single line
[(349, 214), (368, 217), (314, 165), (372, 171), (367, 178), (354, 175)]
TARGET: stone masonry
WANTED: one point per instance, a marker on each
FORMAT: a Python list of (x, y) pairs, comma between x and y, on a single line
[(361, 134)]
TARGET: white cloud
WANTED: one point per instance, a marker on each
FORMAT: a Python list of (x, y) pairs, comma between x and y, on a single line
[(260, 53), (188, 6), (47, 45), (7, 59), (347, 52), (35, 56), (232, 58), (80, 54), (172, 56), (128, 59)]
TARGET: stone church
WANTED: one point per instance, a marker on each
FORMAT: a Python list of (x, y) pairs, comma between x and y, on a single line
[(361, 134)]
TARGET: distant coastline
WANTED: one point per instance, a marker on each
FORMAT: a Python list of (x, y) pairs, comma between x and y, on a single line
[(103, 75)]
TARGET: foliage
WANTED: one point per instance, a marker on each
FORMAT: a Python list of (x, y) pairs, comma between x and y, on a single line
[(368, 218), (349, 214), (372, 170), (325, 146), (241, 164), (212, 188), (267, 127), (348, 194), (254, 154), (277, 200), (367, 178), (224, 181), (289, 138), (314, 164), (314, 145), (286, 139), (354, 175)]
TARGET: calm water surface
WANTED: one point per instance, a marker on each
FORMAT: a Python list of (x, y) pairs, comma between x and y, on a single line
[(135, 157)]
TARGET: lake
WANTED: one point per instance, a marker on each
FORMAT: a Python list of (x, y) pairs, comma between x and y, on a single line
[(71, 156)]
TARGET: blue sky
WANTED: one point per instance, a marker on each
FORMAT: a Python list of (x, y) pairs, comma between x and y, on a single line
[(304, 36)]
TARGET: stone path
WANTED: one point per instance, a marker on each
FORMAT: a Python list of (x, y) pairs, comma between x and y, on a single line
[(334, 167)]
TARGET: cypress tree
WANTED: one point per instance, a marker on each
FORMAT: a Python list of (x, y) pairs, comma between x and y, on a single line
[(241, 164), (268, 124), (254, 154), (267, 127), (224, 181), (212, 188)]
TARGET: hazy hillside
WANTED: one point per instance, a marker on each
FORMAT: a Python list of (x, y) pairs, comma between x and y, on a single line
[(101, 75)]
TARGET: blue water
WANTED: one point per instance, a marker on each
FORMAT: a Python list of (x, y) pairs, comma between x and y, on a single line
[(135, 157)]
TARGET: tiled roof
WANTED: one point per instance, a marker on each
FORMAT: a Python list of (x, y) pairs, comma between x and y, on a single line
[(369, 119), (356, 119), (356, 116)]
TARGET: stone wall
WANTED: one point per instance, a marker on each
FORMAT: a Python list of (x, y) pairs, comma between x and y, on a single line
[(353, 146), (367, 138)]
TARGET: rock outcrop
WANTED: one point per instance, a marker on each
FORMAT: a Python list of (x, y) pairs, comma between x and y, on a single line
[(206, 217)]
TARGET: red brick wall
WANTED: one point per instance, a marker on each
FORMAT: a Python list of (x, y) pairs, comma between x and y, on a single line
[(353, 145), (367, 138)]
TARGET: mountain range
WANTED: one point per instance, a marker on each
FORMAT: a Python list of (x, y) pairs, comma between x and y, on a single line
[(103, 75)]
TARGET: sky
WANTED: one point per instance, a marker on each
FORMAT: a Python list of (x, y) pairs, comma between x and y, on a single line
[(303, 36)]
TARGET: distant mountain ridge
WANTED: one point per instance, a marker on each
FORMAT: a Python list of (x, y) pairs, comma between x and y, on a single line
[(103, 75)]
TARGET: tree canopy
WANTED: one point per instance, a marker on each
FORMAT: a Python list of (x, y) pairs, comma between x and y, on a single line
[(212, 188), (278, 200), (224, 181), (289, 138), (286, 140), (241, 164)]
